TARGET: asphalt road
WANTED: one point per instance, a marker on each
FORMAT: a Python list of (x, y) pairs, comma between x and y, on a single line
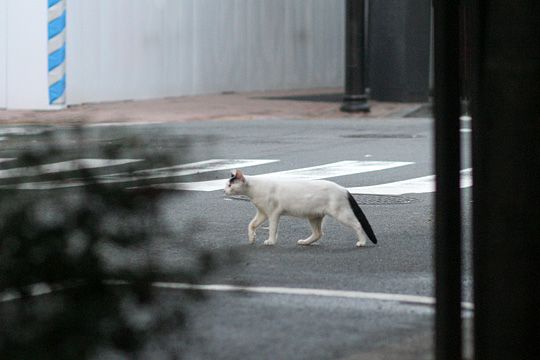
[(231, 325)]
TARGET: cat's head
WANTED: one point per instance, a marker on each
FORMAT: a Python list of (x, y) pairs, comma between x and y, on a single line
[(236, 185)]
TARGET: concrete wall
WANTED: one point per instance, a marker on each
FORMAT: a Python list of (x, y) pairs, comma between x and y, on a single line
[(136, 49)]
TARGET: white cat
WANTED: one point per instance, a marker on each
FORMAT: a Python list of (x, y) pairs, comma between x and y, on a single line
[(311, 199)]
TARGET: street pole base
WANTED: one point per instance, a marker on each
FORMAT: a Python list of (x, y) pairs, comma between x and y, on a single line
[(353, 103)]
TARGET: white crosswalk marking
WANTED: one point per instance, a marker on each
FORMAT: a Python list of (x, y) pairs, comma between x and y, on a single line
[(185, 169), (336, 169), (170, 171), (63, 166), (425, 184)]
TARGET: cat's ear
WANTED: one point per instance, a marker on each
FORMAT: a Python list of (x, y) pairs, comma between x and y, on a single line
[(239, 175)]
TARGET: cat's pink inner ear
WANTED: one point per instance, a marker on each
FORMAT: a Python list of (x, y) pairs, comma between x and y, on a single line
[(239, 175)]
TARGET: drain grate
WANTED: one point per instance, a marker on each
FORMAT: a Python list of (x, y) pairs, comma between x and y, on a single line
[(382, 136), (383, 199), (329, 98), (361, 199)]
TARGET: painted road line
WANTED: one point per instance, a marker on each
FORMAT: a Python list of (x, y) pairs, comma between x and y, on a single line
[(63, 166), (170, 171), (341, 168), (32, 290), (23, 130), (348, 294), (37, 289), (331, 170), (425, 184), (6, 159), (40, 289)]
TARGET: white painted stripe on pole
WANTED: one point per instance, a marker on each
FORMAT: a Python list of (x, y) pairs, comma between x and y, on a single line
[(60, 100), (341, 168), (57, 73), (425, 184), (170, 171), (57, 42), (56, 10), (466, 178), (56, 28), (63, 166)]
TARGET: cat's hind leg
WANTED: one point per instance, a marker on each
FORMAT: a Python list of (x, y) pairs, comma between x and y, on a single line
[(257, 221), (316, 234), (347, 217)]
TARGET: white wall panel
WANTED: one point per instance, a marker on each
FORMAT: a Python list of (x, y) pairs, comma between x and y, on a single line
[(27, 61), (136, 49), (3, 53)]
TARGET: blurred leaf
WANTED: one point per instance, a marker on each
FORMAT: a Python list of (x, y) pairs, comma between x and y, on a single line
[(67, 239)]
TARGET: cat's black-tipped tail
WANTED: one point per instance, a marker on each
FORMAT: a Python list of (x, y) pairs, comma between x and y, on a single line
[(362, 219)]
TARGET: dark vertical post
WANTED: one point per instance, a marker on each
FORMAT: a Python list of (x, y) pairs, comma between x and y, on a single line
[(398, 50), (447, 166), (506, 162), (355, 99), (465, 54)]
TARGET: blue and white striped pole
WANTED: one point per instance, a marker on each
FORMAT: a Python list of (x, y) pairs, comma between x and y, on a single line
[(57, 51)]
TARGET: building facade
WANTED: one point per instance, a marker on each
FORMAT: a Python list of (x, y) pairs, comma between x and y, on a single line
[(55, 53)]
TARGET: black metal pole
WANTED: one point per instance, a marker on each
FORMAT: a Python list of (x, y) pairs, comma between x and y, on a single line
[(448, 342), (355, 99), (506, 162)]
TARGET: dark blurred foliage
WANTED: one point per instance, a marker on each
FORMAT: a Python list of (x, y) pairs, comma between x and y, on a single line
[(65, 241)]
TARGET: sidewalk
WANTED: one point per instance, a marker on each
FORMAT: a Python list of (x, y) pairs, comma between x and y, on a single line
[(298, 104)]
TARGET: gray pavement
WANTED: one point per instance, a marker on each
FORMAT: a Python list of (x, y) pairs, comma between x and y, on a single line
[(274, 326)]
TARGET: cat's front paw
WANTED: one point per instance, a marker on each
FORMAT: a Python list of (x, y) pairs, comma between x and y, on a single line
[(304, 242), (252, 236), (269, 242)]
